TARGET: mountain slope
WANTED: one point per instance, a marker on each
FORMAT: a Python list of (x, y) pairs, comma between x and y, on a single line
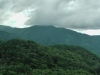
[(7, 36), (50, 35), (21, 57)]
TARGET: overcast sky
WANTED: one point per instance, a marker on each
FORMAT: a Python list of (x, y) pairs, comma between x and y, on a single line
[(80, 15)]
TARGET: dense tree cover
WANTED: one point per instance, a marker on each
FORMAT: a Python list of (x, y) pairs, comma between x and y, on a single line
[(51, 35), (24, 57)]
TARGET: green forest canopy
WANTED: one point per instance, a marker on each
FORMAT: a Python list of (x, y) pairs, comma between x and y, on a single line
[(24, 57)]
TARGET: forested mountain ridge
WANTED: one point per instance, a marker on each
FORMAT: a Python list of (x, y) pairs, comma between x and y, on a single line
[(50, 35), (24, 57)]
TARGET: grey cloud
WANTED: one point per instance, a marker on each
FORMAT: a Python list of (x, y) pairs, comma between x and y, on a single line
[(75, 14), (21, 5), (78, 14), (49, 12), (5, 6), (15, 6)]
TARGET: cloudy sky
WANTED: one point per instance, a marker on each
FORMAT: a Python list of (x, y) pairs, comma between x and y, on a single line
[(80, 15)]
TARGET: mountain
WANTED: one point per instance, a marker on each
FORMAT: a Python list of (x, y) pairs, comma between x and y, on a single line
[(24, 57), (50, 35), (7, 36)]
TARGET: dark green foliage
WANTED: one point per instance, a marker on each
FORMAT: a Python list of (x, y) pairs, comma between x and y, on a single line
[(21, 57), (1, 41)]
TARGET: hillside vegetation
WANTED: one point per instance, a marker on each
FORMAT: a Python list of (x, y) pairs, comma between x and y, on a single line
[(50, 35), (24, 57)]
